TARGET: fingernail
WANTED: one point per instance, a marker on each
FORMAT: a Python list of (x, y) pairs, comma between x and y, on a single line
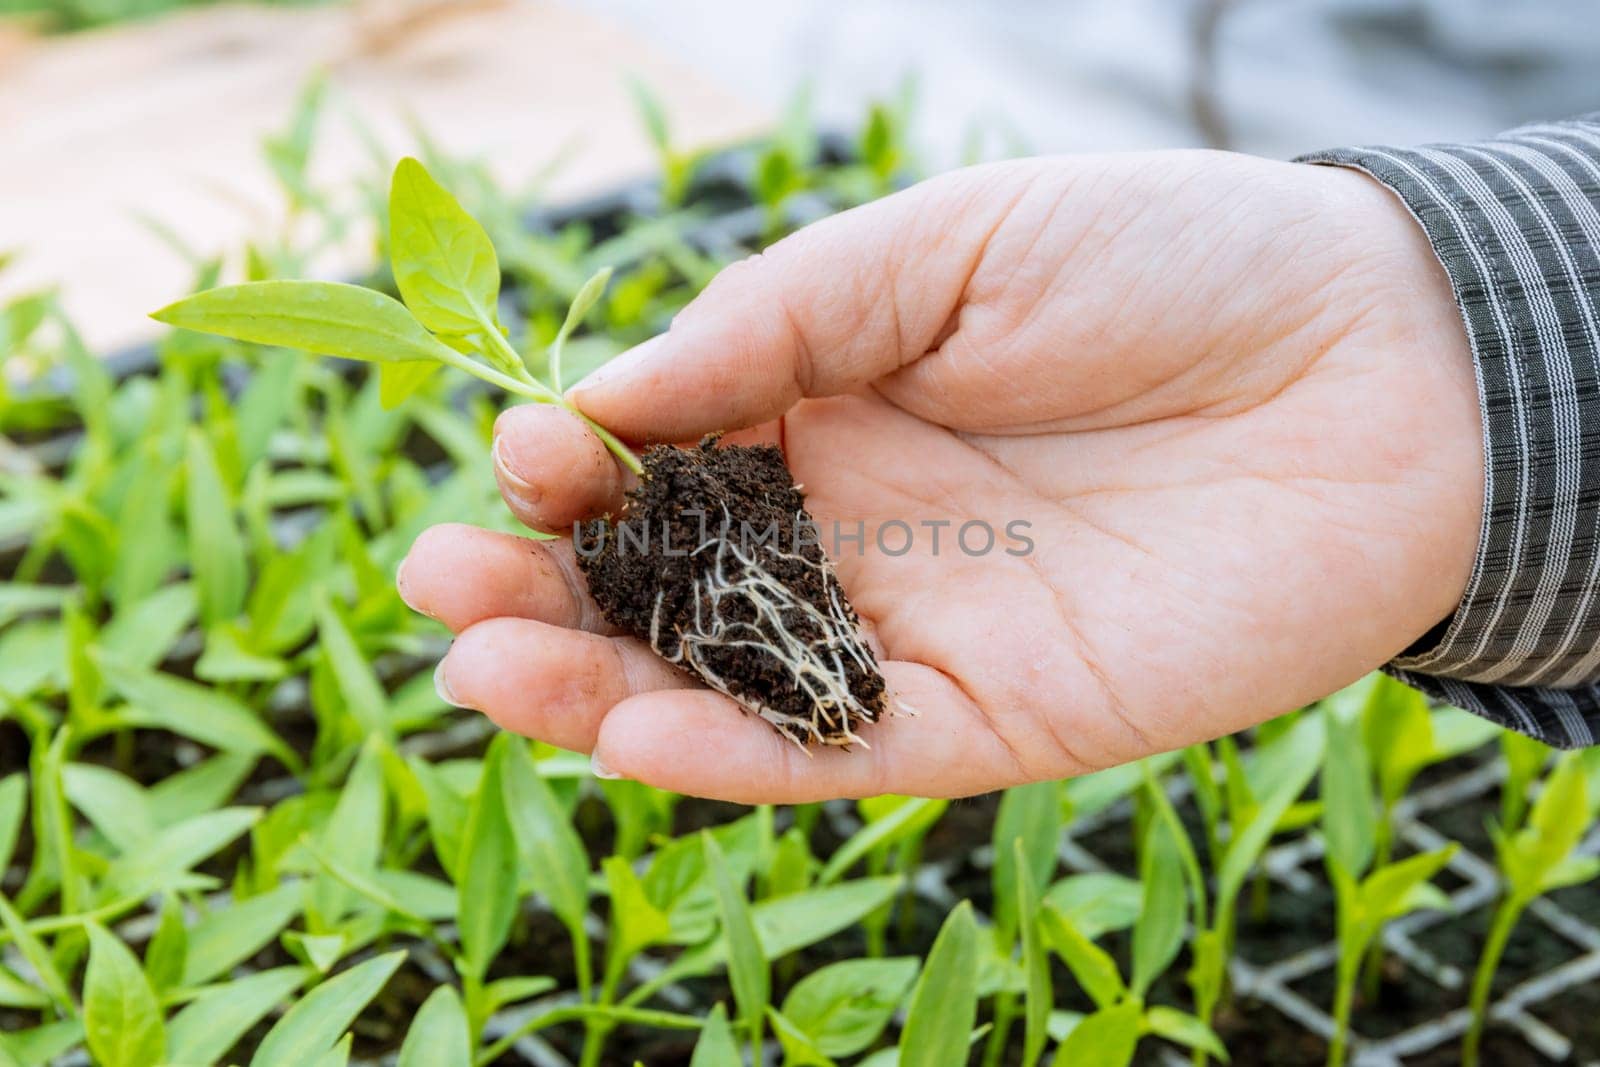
[(618, 367), (442, 687), (502, 463), (400, 587), (598, 768)]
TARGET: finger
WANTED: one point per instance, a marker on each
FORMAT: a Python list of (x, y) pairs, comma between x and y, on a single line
[(462, 575), (698, 742), (551, 468), (825, 311), (548, 682)]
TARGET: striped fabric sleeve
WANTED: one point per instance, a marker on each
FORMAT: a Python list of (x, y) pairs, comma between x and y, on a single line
[(1516, 223)]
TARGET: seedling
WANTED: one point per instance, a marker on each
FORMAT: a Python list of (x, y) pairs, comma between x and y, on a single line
[(1537, 859), (1367, 897), (1259, 798), (714, 561), (1403, 738), (1109, 1036)]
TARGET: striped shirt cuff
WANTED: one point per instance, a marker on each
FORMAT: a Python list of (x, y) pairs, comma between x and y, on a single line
[(1516, 223)]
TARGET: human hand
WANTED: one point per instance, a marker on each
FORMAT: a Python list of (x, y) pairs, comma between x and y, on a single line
[(1232, 397)]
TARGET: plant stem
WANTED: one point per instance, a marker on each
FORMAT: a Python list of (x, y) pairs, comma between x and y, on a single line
[(594, 1043), (1343, 998), (1383, 848), (527, 386), (1505, 919), (594, 1030), (907, 859), (1005, 1010)]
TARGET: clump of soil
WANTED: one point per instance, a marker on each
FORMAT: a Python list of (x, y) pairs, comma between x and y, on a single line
[(716, 562)]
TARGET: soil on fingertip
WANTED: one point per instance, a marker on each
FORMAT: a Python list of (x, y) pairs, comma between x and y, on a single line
[(716, 562)]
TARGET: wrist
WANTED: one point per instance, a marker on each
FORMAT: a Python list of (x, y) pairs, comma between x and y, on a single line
[(1420, 326)]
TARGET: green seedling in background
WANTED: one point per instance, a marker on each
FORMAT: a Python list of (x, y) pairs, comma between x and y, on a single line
[(1259, 798), (677, 167), (1368, 896), (1404, 738), (1110, 1034), (1536, 859)]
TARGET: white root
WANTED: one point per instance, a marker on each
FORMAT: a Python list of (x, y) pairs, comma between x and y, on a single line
[(817, 667)]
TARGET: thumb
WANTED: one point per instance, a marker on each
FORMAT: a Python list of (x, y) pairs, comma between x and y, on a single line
[(826, 311)]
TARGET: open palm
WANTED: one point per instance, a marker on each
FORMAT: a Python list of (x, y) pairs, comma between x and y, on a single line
[(1231, 401)]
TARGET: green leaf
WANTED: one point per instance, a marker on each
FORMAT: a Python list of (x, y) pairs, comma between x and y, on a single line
[(15, 993), (786, 924), (1574, 870), (122, 1021), (843, 1007), (1561, 814), (487, 894), (358, 687), (1106, 1039), (1281, 771), (447, 815), (315, 1023), (783, 925), (503, 991), (213, 1022), (1097, 902), (338, 1055), (444, 263), (747, 965), (798, 1051), (1386, 893), (37, 957), (1349, 821), (1184, 1029), (551, 852), (228, 659), (1090, 964), (111, 801), (13, 807), (1524, 758), (230, 935), (330, 318), (1397, 731), (716, 1047), (199, 712), (202, 787), (365, 884), (216, 550), (43, 1044), (907, 816), (1036, 968), (1030, 814), (944, 1006), (20, 598), (55, 851), (353, 835), (636, 923), (1158, 934), (398, 382), (320, 951), (580, 307), (175, 851), (165, 954), (439, 1036)]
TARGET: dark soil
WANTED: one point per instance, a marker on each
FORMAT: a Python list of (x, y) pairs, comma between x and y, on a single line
[(674, 568), (1258, 1035)]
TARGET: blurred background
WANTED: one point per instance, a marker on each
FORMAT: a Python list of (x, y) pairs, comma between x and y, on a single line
[(129, 128)]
